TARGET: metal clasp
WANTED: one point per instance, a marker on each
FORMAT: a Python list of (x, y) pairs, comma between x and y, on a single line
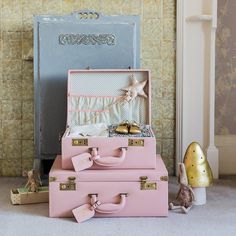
[(136, 142), (70, 185), (144, 185), (80, 142)]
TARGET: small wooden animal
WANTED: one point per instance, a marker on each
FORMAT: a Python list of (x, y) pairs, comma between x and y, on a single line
[(185, 196), (34, 181)]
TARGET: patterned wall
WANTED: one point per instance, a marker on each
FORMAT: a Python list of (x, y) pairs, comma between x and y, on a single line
[(226, 68), (16, 74)]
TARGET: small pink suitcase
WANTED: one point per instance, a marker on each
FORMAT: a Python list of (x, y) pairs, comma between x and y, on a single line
[(112, 193), (92, 98)]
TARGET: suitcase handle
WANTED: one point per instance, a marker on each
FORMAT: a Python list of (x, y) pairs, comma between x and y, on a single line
[(110, 160), (87, 211), (85, 160), (107, 208)]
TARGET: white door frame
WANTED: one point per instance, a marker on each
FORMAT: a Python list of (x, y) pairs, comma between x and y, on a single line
[(195, 78)]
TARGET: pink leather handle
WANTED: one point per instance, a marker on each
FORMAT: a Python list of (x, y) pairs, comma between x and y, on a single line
[(108, 208), (110, 160)]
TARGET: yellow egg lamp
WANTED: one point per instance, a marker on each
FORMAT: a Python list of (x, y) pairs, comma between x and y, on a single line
[(198, 172)]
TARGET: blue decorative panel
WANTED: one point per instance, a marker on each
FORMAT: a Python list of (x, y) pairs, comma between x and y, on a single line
[(77, 41)]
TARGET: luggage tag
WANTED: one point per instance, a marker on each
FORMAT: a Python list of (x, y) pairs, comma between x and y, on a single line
[(85, 212), (85, 160), (82, 161)]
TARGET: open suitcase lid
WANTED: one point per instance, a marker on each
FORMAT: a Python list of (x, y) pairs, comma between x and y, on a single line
[(106, 96), (124, 175)]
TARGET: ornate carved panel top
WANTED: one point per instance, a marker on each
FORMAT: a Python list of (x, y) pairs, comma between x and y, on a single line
[(87, 39)]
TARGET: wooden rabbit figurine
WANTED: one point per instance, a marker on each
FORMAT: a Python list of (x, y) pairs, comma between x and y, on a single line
[(185, 195), (34, 181)]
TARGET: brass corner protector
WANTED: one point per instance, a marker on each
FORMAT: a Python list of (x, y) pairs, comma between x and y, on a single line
[(164, 178), (52, 179)]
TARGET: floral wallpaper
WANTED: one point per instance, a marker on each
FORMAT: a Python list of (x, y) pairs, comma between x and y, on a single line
[(226, 68), (16, 73)]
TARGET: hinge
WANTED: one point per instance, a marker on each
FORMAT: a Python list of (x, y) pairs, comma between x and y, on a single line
[(164, 178), (52, 179), (144, 185), (60, 134), (70, 185)]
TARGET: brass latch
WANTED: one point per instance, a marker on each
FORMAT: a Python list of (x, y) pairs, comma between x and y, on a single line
[(136, 142), (80, 142), (144, 185), (70, 185)]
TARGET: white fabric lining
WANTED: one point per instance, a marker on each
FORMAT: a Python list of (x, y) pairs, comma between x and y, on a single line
[(93, 130), (103, 83)]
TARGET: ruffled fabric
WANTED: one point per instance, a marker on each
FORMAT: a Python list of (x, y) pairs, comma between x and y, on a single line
[(108, 110)]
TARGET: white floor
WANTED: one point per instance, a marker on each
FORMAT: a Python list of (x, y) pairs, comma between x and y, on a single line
[(218, 217)]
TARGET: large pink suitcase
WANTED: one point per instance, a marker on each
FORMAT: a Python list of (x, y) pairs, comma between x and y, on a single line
[(93, 97), (142, 192)]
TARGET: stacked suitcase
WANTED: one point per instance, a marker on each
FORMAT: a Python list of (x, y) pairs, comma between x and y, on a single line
[(113, 175)]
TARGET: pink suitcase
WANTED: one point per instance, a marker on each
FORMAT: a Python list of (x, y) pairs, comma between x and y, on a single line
[(110, 193), (95, 96)]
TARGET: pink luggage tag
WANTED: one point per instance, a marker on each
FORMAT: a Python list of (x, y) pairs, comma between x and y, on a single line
[(82, 161), (85, 212)]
